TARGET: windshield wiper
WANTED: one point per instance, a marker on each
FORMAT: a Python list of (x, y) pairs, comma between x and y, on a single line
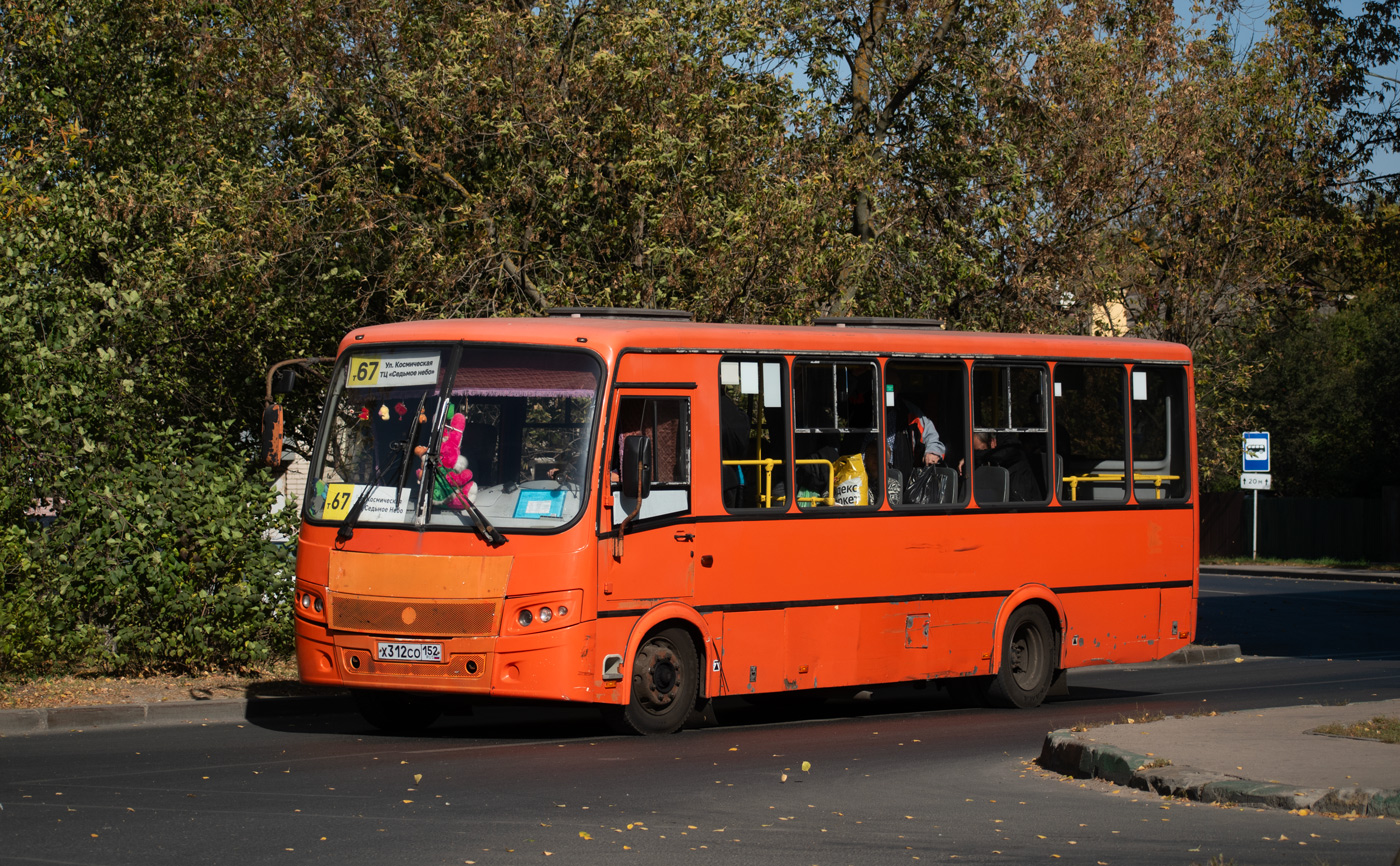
[(401, 453), (347, 526), (489, 534)]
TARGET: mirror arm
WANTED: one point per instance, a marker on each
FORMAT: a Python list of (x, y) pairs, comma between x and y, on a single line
[(272, 371)]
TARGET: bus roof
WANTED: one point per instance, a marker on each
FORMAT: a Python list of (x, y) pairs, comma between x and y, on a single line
[(610, 336)]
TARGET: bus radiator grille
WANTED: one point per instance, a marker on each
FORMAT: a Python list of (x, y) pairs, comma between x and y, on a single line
[(416, 617)]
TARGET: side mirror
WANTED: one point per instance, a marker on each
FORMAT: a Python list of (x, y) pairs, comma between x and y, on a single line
[(636, 466), (285, 380), (271, 452)]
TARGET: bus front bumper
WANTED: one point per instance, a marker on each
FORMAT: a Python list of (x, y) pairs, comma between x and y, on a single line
[(551, 665)]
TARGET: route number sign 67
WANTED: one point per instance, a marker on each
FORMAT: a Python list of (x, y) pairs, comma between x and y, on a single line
[(364, 372), (396, 369)]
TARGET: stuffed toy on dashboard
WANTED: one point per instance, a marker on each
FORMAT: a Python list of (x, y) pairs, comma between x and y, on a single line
[(460, 488)]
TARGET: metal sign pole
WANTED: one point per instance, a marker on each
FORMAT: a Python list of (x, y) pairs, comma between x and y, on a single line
[(1256, 475)]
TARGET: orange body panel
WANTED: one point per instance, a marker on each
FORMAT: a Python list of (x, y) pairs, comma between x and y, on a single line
[(775, 601)]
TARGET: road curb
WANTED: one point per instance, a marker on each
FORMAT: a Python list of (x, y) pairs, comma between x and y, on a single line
[(1195, 654), (1303, 573), (38, 721), (1067, 753)]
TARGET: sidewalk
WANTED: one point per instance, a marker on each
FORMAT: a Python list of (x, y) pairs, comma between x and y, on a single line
[(1253, 757), (1372, 575)]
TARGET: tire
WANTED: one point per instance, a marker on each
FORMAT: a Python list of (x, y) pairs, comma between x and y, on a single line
[(1028, 660), (397, 712), (665, 682)]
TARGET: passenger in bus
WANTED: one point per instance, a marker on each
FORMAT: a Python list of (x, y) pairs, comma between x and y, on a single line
[(911, 436), (1010, 456)]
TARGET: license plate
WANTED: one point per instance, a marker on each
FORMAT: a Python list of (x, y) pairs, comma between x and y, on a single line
[(410, 652)]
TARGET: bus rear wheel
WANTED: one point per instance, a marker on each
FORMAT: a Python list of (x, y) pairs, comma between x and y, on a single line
[(397, 712), (1027, 660), (665, 681)]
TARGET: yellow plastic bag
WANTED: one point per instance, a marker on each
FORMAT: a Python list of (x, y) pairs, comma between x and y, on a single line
[(852, 482)]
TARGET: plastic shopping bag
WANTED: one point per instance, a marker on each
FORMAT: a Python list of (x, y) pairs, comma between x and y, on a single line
[(852, 482)]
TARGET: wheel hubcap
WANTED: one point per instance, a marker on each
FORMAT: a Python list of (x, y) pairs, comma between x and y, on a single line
[(658, 678), (1026, 658)]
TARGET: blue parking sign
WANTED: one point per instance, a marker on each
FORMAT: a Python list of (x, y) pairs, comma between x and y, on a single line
[(1256, 452)]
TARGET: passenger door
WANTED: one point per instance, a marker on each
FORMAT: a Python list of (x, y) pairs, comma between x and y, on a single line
[(648, 546)]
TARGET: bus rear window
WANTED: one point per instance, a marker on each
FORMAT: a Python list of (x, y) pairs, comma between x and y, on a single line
[(1159, 434)]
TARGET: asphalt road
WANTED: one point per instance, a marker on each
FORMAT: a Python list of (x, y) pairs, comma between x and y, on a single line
[(905, 777)]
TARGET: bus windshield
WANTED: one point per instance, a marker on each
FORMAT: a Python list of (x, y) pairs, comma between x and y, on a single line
[(425, 435)]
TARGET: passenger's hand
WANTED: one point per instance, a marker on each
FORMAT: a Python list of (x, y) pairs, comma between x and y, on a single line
[(931, 459)]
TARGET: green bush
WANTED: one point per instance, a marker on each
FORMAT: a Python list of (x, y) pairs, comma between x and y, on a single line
[(158, 563)]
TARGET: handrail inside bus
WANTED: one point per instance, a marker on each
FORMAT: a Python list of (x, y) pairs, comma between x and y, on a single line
[(765, 497), (1074, 481)]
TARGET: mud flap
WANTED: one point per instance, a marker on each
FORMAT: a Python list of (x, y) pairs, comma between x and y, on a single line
[(703, 716)]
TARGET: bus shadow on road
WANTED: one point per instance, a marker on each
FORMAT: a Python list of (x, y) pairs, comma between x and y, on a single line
[(506, 722), (510, 721)]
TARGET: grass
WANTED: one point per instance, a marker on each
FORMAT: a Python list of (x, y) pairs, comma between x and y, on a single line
[(1385, 729)]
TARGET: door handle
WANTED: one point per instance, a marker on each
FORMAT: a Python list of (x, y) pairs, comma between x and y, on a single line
[(684, 536)]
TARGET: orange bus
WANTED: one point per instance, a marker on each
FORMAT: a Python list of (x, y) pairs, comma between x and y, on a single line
[(633, 510)]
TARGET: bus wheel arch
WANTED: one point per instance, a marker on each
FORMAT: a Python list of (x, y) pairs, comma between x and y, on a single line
[(1027, 653), (663, 676)]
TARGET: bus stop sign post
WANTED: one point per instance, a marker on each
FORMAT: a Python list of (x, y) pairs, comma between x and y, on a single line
[(1256, 475)]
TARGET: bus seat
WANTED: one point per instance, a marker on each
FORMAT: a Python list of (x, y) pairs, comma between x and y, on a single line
[(991, 483)]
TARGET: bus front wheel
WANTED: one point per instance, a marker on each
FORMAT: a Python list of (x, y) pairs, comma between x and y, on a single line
[(1027, 660), (665, 679)]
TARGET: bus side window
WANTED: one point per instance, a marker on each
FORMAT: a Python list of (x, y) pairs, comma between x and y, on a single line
[(1159, 434), (836, 441), (752, 430), (666, 422), (925, 403), (1011, 460), (1090, 432)]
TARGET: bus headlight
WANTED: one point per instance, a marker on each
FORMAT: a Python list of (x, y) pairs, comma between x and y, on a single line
[(541, 612), (309, 604)]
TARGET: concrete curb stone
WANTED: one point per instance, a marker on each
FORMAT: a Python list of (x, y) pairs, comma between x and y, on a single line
[(1065, 752), (1199, 655), (1364, 575), (37, 721)]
